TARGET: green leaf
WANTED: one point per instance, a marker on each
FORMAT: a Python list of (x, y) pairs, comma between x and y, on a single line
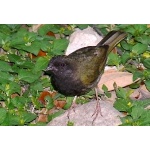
[(68, 103), (125, 57), (147, 83), (139, 48), (19, 102), (5, 29), (27, 76), (121, 93), (50, 102), (144, 39), (26, 64), (113, 59), (137, 112), (3, 113), (126, 46), (13, 58), (36, 86), (137, 74), (43, 30), (41, 64), (143, 103), (146, 63), (140, 28), (4, 66), (123, 104), (11, 120), (82, 26), (105, 89), (27, 116), (34, 48), (5, 77), (59, 46), (14, 88)]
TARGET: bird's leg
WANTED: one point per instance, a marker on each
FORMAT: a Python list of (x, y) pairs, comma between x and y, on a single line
[(98, 107), (73, 105)]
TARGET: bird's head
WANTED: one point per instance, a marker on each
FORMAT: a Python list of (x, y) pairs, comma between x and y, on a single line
[(58, 65)]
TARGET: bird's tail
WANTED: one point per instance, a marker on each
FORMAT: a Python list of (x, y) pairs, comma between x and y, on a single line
[(112, 39)]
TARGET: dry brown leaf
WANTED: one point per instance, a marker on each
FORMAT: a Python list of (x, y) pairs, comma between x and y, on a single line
[(44, 94), (122, 79), (59, 103), (42, 118)]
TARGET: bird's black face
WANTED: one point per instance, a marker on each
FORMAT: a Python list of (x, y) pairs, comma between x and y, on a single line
[(58, 65)]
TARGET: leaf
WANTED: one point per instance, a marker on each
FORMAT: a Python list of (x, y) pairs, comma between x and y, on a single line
[(147, 83), (123, 104), (143, 103), (126, 45), (27, 76), (34, 48), (4, 66), (13, 58), (36, 86), (41, 64), (139, 48), (82, 26), (137, 74), (14, 88), (146, 63), (121, 93), (137, 112), (43, 95), (11, 120), (144, 39), (19, 102), (5, 77), (59, 46), (5, 29), (27, 116), (59, 103), (68, 103), (105, 89), (54, 115), (44, 29), (140, 27), (111, 76), (113, 59), (125, 57), (3, 113)]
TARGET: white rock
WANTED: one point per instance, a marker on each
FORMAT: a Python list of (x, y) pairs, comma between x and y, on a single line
[(83, 116), (82, 38)]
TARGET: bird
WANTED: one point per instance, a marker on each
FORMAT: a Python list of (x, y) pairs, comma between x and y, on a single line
[(79, 72)]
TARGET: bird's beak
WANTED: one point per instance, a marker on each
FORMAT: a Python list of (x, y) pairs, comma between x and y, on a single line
[(49, 68)]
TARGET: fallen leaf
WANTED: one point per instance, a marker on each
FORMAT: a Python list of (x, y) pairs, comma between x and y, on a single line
[(44, 94), (59, 103), (40, 54), (50, 33), (42, 118), (14, 95), (110, 77)]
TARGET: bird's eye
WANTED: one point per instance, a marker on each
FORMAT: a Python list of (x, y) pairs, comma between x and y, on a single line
[(62, 64)]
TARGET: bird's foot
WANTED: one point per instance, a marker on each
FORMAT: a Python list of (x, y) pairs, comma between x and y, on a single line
[(97, 110)]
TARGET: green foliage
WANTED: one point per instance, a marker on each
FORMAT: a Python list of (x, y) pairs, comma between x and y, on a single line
[(21, 76), (137, 114)]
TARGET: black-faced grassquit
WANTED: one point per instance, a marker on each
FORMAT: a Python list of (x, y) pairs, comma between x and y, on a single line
[(80, 71)]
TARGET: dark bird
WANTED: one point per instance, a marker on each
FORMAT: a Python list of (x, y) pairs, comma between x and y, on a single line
[(80, 71)]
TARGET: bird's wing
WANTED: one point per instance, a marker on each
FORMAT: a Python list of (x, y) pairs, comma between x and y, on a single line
[(90, 63)]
